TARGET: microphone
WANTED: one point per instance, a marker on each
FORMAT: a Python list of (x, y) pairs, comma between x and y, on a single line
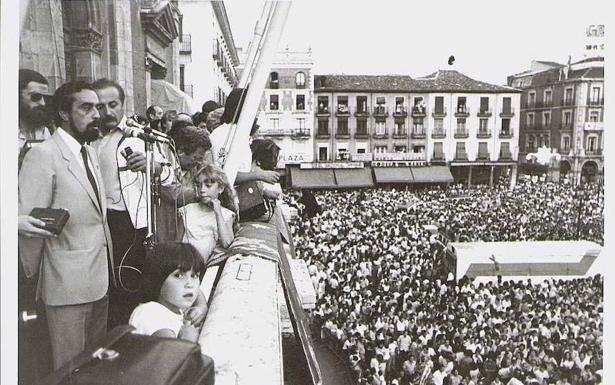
[(136, 130)]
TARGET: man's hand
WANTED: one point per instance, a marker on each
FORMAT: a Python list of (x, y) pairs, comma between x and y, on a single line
[(31, 227), (268, 176), (136, 161)]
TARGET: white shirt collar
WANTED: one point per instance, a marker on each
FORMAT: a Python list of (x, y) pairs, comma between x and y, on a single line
[(72, 143)]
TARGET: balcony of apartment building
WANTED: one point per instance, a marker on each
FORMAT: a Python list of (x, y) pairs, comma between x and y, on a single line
[(185, 44), (461, 155), (361, 111), (505, 133), (483, 133), (595, 102), (398, 156), (381, 111), (300, 133), (462, 111), (505, 154), (567, 101), (361, 132), (483, 154), (342, 133), (361, 157), (593, 126), (399, 131), (438, 133), (439, 112), (438, 155), (418, 131), (323, 132), (323, 110), (593, 152), (419, 111), (507, 112), (400, 111), (342, 110), (381, 134), (484, 112), (461, 133), (274, 132)]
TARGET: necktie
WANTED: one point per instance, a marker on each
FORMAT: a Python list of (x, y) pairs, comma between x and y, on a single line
[(84, 155)]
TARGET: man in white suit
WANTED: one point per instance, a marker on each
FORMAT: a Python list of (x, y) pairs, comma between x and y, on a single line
[(73, 267)]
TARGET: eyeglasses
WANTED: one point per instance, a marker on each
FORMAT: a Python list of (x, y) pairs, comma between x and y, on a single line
[(36, 97)]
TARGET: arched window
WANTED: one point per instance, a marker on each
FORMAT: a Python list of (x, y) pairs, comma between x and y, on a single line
[(300, 80), (273, 80)]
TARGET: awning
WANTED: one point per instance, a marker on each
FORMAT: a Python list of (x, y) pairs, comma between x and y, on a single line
[(432, 174), (170, 97), (358, 177), (312, 178), (393, 175)]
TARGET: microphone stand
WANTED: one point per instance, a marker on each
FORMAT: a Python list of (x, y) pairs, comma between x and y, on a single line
[(150, 238)]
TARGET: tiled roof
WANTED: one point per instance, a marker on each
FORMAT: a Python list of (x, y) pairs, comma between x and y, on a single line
[(440, 81), (593, 72)]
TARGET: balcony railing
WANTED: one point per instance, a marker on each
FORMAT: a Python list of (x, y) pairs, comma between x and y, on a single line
[(275, 132), (323, 111), (400, 133), (418, 133), (461, 156), (342, 133), (462, 111), (596, 102), (323, 133), (505, 134), (381, 135), (597, 151), (439, 113), (438, 134), (398, 156), (505, 155), (437, 156), (593, 126), (507, 113), (484, 112), (381, 111), (361, 134), (342, 109), (365, 157), (419, 111), (185, 45), (483, 134), (567, 101), (400, 111), (483, 156), (300, 133), (461, 134), (358, 111)]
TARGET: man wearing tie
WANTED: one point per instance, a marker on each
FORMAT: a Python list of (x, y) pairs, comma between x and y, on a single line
[(73, 267)]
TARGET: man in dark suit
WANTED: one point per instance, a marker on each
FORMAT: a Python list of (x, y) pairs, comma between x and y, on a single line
[(73, 267)]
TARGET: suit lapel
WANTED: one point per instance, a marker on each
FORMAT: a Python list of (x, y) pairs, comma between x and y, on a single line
[(75, 168)]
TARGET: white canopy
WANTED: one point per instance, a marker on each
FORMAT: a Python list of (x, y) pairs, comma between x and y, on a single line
[(170, 97)]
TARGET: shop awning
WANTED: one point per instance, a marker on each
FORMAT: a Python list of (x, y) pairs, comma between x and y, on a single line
[(312, 178), (357, 177), (432, 174), (393, 175)]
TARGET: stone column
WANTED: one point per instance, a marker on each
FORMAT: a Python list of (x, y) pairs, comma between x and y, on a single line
[(491, 176), (470, 177)]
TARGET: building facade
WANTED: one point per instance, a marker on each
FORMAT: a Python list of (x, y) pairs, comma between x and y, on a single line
[(287, 107), (445, 118), (562, 108), (208, 56)]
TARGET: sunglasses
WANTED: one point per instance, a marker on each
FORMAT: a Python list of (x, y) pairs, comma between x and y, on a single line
[(36, 97)]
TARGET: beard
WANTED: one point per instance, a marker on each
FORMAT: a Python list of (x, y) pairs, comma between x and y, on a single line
[(90, 134), (36, 117)]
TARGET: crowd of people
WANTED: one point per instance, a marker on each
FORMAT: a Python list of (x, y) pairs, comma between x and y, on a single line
[(382, 302), (80, 152)]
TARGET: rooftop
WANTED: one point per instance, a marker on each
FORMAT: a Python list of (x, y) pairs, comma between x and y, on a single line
[(440, 81)]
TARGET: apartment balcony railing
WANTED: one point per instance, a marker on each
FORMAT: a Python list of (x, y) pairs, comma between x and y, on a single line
[(507, 113), (342, 134), (462, 111), (438, 134), (567, 102), (419, 111), (381, 111), (323, 111), (437, 156), (359, 111), (595, 102), (483, 134), (418, 133), (398, 156), (185, 44), (484, 112), (505, 155), (400, 111), (323, 134), (597, 151), (461, 156), (439, 113), (342, 110), (275, 132), (400, 133), (380, 135), (504, 134), (361, 134), (365, 157), (593, 126), (483, 156), (300, 133), (461, 134)]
